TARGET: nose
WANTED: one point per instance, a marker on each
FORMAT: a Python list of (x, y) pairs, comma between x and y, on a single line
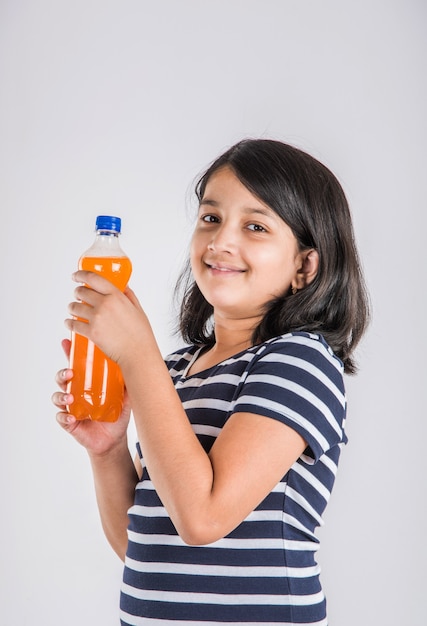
[(225, 239)]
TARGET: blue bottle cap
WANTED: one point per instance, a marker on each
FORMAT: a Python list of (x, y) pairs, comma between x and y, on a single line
[(108, 222)]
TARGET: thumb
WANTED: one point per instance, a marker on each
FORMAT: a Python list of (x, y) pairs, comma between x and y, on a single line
[(132, 297), (66, 346)]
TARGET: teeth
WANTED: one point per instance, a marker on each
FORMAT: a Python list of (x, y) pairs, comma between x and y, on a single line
[(222, 269)]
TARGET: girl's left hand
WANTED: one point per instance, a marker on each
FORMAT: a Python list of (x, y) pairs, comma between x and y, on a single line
[(113, 320)]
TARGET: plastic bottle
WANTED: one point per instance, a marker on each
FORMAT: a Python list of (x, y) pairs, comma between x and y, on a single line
[(97, 384)]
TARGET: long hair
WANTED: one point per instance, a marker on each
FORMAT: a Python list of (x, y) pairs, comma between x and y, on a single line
[(309, 198)]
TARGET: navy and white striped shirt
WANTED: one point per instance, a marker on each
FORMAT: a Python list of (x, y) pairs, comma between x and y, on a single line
[(264, 571)]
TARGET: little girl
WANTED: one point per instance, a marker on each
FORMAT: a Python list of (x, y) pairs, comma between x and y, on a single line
[(240, 431)]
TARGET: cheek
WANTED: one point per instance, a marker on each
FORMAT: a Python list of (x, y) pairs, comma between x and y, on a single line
[(198, 243), (279, 268), (275, 259), (195, 254)]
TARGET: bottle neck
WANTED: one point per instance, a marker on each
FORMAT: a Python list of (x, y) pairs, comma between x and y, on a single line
[(107, 240), (107, 233), (106, 244)]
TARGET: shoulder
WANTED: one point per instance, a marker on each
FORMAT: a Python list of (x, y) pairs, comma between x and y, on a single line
[(303, 350), (297, 379), (303, 357), (301, 338)]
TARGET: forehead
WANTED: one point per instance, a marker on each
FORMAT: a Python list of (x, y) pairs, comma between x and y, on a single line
[(224, 176), (224, 186)]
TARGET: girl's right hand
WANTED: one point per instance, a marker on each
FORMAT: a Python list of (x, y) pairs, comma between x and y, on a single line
[(99, 438)]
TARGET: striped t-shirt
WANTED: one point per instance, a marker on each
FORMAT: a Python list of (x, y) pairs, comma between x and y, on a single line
[(264, 571)]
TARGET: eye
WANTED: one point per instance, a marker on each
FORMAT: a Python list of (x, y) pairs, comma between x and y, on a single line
[(209, 218), (257, 228)]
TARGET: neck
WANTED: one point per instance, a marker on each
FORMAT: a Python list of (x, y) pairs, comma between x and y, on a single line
[(233, 335)]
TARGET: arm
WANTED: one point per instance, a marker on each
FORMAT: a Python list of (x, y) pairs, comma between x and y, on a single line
[(206, 495), (115, 478), (115, 475)]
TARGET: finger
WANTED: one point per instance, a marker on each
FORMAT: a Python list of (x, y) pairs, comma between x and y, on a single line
[(87, 294), (80, 310), (62, 379), (63, 376), (94, 281), (62, 400), (77, 326), (66, 421)]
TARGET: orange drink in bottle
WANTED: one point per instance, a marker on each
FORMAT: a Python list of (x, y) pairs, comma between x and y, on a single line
[(97, 384)]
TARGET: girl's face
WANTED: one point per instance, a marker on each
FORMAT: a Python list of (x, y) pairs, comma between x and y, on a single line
[(242, 253)]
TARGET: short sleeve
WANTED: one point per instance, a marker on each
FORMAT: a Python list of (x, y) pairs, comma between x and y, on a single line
[(297, 380)]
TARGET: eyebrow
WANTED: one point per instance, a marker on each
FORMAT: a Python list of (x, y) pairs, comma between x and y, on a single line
[(249, 210)]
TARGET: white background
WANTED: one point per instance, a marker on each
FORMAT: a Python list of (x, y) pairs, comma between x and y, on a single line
[(115, 107)]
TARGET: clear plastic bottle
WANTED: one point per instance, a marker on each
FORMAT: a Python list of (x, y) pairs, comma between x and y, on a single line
[(97, 385)]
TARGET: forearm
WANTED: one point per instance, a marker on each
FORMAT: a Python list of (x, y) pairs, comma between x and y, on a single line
[(115, 478), (177, 463)]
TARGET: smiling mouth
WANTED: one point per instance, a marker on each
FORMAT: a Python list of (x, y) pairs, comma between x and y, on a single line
[(224, 269)]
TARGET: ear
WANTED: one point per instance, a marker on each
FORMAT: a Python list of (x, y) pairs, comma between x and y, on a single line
[(309, 264)]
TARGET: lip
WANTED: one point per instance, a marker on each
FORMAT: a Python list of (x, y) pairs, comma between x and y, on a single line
[(223, 268)]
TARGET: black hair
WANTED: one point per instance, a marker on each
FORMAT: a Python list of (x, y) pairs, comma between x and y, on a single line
[(309, 198)]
